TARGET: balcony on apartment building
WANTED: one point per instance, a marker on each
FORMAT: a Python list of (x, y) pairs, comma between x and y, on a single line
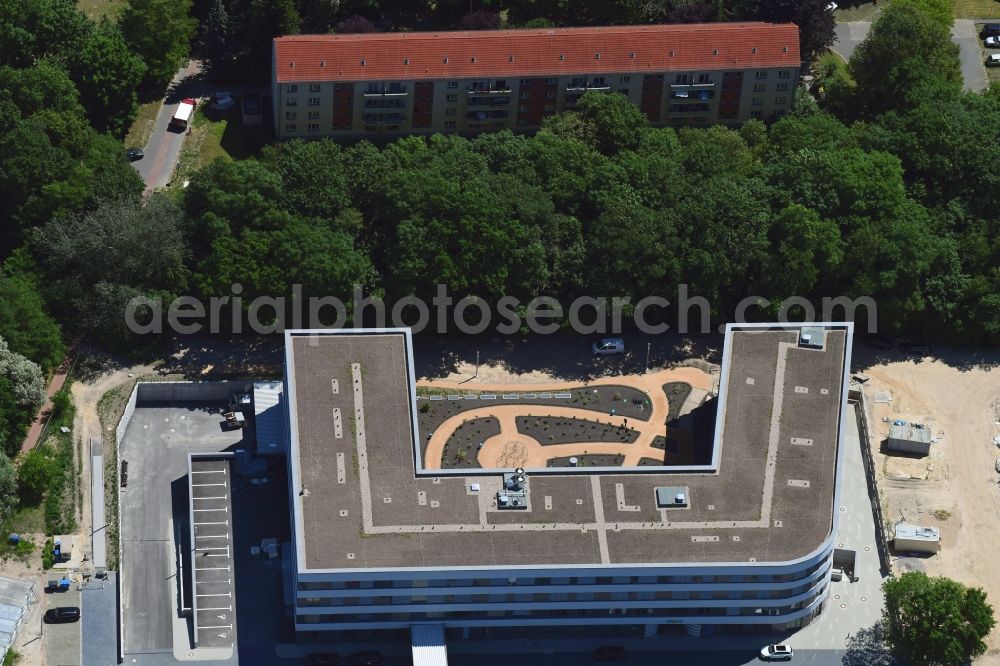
[(383, 118), (385, 90), (488, 101), (383, 103), (486, 115), (484, 88), (582, 85)]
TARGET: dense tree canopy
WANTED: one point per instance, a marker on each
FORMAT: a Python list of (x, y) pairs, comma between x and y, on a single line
[(935, 621), (160, 32)]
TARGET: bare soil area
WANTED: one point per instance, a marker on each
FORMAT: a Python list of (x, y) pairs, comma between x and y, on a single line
[(956, 487)]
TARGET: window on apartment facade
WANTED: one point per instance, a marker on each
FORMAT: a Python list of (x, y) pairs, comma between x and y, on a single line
[(292, 88), (523, 122), (760, 75), (314, 115), (291, 101), (551, 82), (784, 73), (782, 87), (451, 98), (453, 84), (291, 127), (549, 108), (290, 115), (525, 82), (314, 101), (598, 81), (313, 87), (451, 111), (525, 94), (757, 101), (550, 94), (758, 87), (626, 79), (449, 124), (523, 108), (755, 114), (704, 78), (681, 79), (781, 100)]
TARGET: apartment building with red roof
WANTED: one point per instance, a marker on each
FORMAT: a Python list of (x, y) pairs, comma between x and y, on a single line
[(385, 85)]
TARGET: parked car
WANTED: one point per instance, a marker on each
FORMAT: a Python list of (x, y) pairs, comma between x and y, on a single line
[(998, 464), (323, 659), (221, 103), (993, 60), (134, 154), (62, 614), (367, 658), (777, 652), (990, 30), (609, 346), (992, 42), (609, 653)]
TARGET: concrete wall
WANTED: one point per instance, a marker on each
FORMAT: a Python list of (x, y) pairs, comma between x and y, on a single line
[(147, 392), (915, 545), (908, 446), (126, 416)]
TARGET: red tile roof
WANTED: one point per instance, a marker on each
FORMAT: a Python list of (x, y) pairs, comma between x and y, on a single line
[(536, 52)]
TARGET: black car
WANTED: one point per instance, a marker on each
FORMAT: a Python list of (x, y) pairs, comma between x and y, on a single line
[(62, 614), (609, 653), (368, 658), (990, 30), (323, 659), (134, 154)]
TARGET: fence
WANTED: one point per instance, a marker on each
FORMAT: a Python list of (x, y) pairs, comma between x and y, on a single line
[(882, 540)]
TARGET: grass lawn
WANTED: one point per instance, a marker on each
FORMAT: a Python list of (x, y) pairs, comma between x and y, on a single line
[(987, 9), (97, 9), (866, 11), (218, 134), (142, 126)]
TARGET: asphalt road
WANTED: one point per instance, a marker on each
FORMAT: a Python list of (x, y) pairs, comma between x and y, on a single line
[(164, 146), (849, 35)]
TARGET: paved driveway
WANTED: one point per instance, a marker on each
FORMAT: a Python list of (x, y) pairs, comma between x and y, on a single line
[(165, 143), (849, 35)]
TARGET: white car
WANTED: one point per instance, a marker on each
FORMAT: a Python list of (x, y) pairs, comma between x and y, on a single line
[(993, 60), (777, 652), (992, 42), (609, 346)]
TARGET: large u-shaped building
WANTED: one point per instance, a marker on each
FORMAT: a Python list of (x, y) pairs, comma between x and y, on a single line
[(745, 539)]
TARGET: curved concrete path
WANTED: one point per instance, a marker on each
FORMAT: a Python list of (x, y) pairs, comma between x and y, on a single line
[(512, 448)]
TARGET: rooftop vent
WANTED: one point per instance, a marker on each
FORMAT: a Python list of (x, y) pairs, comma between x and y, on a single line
[(811, 336), (715, 51), (444, 60), (672, 497), (597, 56), (473, 58), (562, 56), (362, 62), (753, 50), (406, 61), (784, 49), (514, 491), (291, 64), (631, 54), (671, 53), (322, 63), (510, 58)]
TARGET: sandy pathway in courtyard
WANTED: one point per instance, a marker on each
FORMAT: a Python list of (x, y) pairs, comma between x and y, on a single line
[(512, 446)]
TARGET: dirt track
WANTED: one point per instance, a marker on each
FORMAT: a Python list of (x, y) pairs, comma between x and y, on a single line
[(956, 488)]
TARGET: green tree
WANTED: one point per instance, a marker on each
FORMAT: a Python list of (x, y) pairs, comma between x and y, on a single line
[(35, 29), (618, 123), (25, 322), (33, 476), (8, 486), (97, 260), (935, 621), (160, 32), (107, 75), (907, 57)]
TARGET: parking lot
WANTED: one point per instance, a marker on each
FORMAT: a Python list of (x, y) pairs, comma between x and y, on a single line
[(212, 557), (154, 516)]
